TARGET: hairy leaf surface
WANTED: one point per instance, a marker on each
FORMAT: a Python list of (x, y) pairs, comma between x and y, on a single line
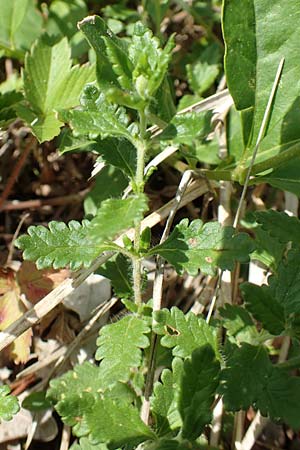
[(119, 348), (205, 247), (184, 333)]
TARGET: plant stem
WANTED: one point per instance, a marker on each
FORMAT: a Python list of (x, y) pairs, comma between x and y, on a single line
[(141, 147)]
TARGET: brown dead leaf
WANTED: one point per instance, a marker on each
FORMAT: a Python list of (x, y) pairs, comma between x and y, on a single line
[(11, 308), (36, 284)]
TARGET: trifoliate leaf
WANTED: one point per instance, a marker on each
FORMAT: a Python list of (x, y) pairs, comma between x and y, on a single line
[(198, 388), (20, 24), (119, 153), (205, 247), (9, 405), (96, 117), (164, 401), (247, 371), (280, 225), (239, 325), (119, 348), (184, 333), (116, 215), (261, 302), (50, 83), (60, 245), (119, 272), (117, 424), (186, 128)]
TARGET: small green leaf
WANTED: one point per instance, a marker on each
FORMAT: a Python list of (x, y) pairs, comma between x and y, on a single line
[(36, 402), (205, 247), (198, 388), (116, 424), (8, 102), (186, 128), (164, 401), (184, 333), (73, 410), (50, 83), (279, 225), (247, 371), (9, 405), (60, 245), (85, 444), (239, 325), (119, 153), (96, 117), (119, 272), (116, 215), (262, 304), (119, 348), (204, 69)]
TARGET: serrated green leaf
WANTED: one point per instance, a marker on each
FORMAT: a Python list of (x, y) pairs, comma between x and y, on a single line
[(116, 215), (8, 102), (9, 405), (95, 29), (96, 117), (73, 410), (20, 25), (116, 51), (186, 128), (205, 247), (279, 225), (119, 153), (246, 374), (251, 379), (184, 333), (164, 401), (50, 83), (259, 43), (119, 348), (119, 272), (116, 424), (199, 383), (239, 325), (261, 302), (59, 246)]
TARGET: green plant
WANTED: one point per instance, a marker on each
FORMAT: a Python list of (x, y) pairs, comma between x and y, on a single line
[(117, 403)]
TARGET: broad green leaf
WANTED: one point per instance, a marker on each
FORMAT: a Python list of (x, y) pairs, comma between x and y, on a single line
[(20, 25), (279, 225), (117, 424), (60, 245), (50, 83), (119, 153), (164, 401), (205, 247), (9, 405), (258, 44), (187, 128), (96, 117), (85, 444), (184, 333), (239, 325), (116, 215), (120, 348), (285, 177), (204, 69), (251, 379), (117, 53), (110, 183), (36, 401), (261, 302), (73, 410), (198, 389), (119, 272), (247, 371), (63, 16)]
